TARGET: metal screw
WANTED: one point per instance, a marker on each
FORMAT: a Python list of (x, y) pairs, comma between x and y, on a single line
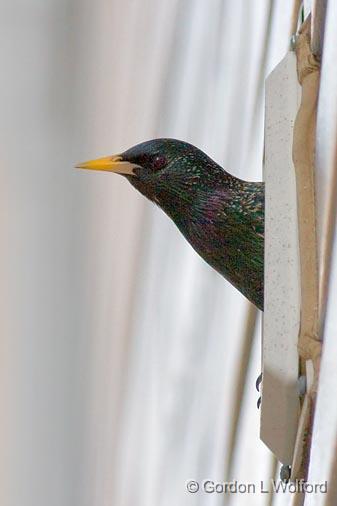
[(293, 42), (302, 385), (285, 473)]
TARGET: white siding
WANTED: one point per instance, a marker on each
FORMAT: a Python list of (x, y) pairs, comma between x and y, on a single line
[(123, 355)]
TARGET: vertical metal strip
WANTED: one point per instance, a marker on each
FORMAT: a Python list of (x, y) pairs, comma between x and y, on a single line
[(304, 161), (317, 26)]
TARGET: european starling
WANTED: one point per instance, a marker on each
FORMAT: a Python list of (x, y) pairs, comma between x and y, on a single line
[(221, 216)]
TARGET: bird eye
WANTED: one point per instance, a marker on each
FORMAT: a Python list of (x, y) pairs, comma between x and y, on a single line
[(159, 162)]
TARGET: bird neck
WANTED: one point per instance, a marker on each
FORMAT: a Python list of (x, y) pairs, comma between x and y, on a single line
[(198, 204)]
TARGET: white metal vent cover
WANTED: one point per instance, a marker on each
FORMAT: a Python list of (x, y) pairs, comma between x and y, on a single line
[(280, 400)]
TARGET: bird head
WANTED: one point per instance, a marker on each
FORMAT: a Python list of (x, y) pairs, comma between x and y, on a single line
[(167, 171)]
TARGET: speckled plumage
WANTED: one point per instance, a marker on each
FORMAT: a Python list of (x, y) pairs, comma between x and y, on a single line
[(221, 216)]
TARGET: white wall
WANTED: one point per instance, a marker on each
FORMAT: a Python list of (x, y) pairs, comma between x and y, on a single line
[(121, 352)]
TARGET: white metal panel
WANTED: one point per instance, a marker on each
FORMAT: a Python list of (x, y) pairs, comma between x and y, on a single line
[(280, 401)]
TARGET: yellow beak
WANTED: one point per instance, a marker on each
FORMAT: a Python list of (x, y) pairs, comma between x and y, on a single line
[(110, 164)]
